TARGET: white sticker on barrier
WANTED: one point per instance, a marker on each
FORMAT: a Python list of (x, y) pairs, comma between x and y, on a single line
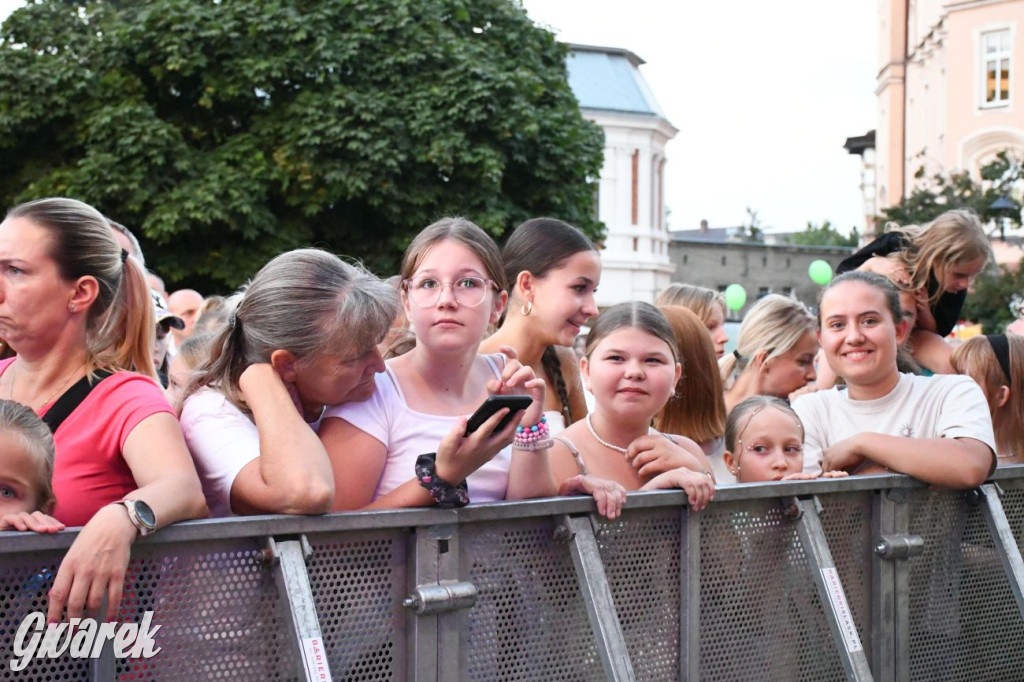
[(316, 659), (842, 609)]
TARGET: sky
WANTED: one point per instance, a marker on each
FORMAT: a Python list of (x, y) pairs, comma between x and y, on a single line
[(764, 95)]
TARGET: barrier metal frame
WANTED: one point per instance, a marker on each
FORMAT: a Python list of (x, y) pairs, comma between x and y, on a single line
[(435, 633)]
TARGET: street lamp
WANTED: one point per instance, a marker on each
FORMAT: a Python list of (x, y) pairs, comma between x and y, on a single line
[(1002, 208)]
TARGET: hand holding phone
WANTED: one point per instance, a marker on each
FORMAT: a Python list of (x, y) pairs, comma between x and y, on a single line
[(515, 403)]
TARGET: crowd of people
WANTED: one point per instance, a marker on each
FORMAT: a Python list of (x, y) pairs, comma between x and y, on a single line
[(123, 409)]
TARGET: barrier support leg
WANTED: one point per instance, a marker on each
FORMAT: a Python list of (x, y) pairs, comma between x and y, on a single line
[(830, 589), (689, 597), (604, 621), (289, 562), (1002, 537), (883, 591)]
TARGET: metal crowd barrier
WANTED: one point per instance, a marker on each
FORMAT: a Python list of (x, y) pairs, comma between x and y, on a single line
[(864, 578)]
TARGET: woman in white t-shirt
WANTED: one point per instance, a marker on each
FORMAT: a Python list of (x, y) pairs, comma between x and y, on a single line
[(303, 336), (936, 429)]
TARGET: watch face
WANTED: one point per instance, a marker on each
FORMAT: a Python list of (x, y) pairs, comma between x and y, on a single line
[(145, 514)]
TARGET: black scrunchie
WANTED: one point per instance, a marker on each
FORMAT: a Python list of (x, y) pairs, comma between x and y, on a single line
[(444, 493)]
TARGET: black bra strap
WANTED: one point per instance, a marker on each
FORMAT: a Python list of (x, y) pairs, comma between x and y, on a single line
[(71, 399)]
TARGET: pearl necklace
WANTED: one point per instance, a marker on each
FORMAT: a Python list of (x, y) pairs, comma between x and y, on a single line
[(600, 440)]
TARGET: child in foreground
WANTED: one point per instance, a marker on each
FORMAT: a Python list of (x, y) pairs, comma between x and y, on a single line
[(764, 440), (631, 368), (26, 470)]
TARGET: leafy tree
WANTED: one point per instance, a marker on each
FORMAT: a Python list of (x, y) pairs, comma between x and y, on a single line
[(823, 235), (996, 298), (1000, 178), (226, 132)]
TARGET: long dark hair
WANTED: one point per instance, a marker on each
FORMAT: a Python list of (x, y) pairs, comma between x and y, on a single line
[(538, 246)]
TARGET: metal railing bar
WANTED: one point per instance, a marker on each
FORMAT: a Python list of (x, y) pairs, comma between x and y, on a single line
[(830, 591), (1005, 543), (293, 584), (689, 596), (597, 595)]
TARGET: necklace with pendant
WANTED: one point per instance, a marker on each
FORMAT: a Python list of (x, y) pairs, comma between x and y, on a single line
[(60, 389)]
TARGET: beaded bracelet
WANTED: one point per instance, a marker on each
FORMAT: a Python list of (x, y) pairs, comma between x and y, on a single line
[(444, 493), (533, 437)]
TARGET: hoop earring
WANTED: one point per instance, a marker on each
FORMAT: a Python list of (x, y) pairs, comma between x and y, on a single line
[(526, 309)]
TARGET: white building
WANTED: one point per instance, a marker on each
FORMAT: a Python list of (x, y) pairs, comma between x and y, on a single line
[(630, 199)]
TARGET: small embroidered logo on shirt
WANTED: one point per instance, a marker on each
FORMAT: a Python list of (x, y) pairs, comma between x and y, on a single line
[(907, 430)]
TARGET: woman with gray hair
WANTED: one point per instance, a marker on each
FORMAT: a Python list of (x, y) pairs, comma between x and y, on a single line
[(303, 336)]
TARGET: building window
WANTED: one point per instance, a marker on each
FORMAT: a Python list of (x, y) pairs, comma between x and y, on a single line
[(763, 291), (787, 291), (635, 207), (723, 260), (995, 60), (788, 265), (636, 244), (764, 261)]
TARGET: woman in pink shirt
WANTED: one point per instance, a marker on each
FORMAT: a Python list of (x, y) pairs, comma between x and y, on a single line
[(78, 313)]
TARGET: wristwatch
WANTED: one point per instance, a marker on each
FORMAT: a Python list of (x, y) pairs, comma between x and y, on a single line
[(141, 515)]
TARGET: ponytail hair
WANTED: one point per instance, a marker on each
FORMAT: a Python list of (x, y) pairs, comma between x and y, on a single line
[(120, 323), (305, 301), (774, 325)]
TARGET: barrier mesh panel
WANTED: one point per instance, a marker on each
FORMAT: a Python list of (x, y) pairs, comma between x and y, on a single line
[(24, 581), (219, 612), (529, 622), (760, 618), (640, 552), (358, 582), (964, 622)]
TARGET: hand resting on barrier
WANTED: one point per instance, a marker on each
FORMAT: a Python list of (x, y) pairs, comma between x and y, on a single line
[(35, 521)]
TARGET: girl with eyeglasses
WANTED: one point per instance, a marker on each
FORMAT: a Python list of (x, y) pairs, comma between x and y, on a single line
[(407, 445)]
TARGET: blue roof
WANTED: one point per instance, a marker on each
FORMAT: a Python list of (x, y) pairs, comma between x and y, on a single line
[(608, 79)]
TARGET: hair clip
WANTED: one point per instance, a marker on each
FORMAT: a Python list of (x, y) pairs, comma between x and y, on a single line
[(124, 255)]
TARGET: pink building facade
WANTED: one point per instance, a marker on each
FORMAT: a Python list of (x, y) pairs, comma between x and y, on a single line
[(950, 89)]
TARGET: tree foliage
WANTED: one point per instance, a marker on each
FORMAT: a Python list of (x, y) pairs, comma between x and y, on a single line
[(225, 132), (1000, 178), (823, 235), (996, 298)]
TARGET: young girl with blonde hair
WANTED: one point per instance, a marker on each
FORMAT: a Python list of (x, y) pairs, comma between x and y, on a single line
[(764, 441), (631, 367), (453, 287), (997, 364), (774, 352), (707, 304), (938, 261)]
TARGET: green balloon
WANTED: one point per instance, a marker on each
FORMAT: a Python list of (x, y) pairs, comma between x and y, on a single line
[(735, 296), (820, 272)]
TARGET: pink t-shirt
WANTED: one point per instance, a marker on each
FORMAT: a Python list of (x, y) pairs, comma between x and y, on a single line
[(89, 471)]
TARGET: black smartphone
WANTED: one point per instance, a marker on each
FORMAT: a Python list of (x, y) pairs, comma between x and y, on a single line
[(514, 403)]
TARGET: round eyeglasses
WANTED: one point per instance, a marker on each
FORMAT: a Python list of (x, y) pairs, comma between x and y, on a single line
[(468, 291)]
